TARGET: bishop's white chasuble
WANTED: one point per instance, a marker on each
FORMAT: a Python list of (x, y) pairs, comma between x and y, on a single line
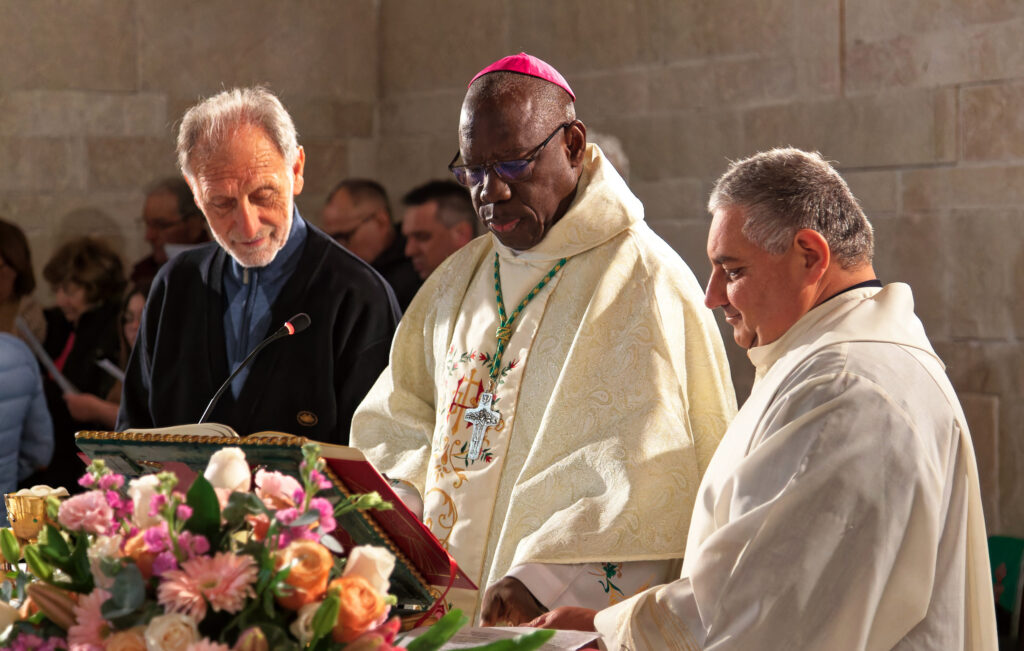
[(613, 392)]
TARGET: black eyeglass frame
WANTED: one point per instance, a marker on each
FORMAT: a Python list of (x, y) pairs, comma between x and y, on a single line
[(526, 164)]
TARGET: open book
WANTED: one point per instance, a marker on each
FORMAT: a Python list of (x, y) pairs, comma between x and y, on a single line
[(423, 568)]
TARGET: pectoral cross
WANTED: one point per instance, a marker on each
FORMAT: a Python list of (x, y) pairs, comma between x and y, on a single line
[(482, 417)]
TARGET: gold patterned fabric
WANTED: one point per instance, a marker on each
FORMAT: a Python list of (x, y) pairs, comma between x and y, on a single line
[(614, 391)]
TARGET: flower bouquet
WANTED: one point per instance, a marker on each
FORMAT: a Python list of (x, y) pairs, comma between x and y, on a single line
[(224, 566)]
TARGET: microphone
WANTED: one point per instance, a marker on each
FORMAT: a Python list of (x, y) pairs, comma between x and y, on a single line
[(294, 325)]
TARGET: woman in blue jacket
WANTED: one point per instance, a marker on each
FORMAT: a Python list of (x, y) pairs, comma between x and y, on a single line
[(26, 431)]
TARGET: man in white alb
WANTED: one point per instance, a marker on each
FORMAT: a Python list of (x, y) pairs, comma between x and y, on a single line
[(842, 509), (555, 390)]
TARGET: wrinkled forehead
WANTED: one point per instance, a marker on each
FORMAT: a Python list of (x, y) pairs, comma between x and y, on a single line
[(498, 126)]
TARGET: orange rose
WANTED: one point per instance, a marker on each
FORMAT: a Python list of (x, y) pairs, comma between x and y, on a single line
[(136, 549), (361, 609), (311, 564)]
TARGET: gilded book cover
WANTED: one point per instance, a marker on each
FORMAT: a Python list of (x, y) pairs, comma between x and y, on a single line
[(423, 568)]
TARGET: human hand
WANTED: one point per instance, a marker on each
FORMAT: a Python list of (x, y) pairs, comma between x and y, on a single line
[(566, 618), (507, 602), (84, 407)]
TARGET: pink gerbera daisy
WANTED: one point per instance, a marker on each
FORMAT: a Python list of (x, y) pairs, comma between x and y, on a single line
[(89, 628), (224, 580)]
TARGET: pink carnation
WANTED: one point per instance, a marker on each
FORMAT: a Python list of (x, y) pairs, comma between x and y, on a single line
[(327, 522), (89, 628), (88, 512), (224, 580), (276, 489)]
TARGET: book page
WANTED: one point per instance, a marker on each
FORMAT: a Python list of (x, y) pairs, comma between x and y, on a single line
[(474, 636), (212, 430)]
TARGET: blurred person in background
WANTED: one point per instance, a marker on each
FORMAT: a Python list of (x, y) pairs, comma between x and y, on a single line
[(17, 281), (85, 407), (357, 215), (171, 218), (438, 221), (26, 431), (87, 277)]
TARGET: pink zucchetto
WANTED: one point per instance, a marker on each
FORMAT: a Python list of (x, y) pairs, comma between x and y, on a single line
[(526, 64)]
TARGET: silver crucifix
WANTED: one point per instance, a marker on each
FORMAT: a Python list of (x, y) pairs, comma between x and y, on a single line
[(482, 417)]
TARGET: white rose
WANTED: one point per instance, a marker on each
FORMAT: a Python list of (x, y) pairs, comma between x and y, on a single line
[(373, 564), (302, 627), (171, 632), (141, 491), (228, 469), (8, 615), (103, 547)]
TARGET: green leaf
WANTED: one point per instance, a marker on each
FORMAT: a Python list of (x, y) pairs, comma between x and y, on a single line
[(78, 568), (528, 642), (307, 518), (9, 546), (205, 520), (440, 632), (126, 595), (326, 616), (36, 564), (53, 546), (332, 544), (240, 505)]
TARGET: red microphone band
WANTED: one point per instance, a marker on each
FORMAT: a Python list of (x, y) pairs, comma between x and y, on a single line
[(290, 327)]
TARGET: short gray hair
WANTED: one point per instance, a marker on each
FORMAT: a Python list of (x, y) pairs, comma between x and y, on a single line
[(208, 124), (785, 190)]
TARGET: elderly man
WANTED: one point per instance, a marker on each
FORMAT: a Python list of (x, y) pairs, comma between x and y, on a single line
[(209, 307), (540, 395), (842, 508), (358, 217), (438, 221), (171, 217)]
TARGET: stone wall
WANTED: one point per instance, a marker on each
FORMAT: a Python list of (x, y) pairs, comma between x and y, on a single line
[(918, 102)]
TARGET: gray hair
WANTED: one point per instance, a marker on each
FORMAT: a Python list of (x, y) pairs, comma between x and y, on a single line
[(211, 122), (785, 190)]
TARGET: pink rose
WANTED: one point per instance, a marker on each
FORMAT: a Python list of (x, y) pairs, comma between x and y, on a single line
[(276, 489), (88, 512)]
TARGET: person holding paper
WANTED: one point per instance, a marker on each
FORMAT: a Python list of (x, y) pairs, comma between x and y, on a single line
[(555, 389), (88, 280), (842, 508), (212, 305)]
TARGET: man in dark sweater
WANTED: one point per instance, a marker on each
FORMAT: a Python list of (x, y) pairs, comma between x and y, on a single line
[(358, 217), (212, 305)]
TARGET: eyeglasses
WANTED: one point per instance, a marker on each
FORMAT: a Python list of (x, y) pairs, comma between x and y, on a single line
[(509, 171), (342, 237)]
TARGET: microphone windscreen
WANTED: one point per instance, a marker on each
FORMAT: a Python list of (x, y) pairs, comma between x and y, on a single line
[(299, 322)]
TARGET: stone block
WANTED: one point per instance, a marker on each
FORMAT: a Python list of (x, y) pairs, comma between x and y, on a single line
[(326, 164), (75, 113), (986, 273), (51, 44), (439, 44), (611, 94), (683, 31), (433, 114), (578, 36), (963, 187), (912, 249), (128, 163), (41, 165), (329, 117), (877, 192), (406, 162), (992, 121), (683, 87), (695, 144), (322, 47), (895, 129), (675, 200), (688, 239), (947, 57), (362, 157), (982, 413), (880, 20)]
